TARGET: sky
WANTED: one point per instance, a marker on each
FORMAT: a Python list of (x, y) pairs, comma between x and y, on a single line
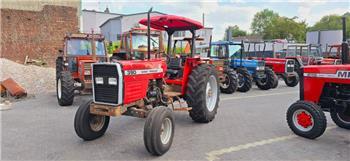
[(222, 13)]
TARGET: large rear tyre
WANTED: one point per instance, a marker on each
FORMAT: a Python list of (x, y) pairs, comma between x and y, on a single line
[(65, 89), (159, 131), (245, 80), (306, 119), (267, 82), (341, 118), (203, 93), (230, 84), (291, 81), (89, 126), (59, 66)]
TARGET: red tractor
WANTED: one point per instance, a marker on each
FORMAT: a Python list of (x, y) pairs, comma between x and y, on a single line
[(322, 88), (283, 68), (148, 88), (73, 65)]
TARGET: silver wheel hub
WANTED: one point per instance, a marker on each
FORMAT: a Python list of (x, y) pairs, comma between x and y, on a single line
[(226, 83), (166, 131), (97, 122), (211, 93), (59, 88)]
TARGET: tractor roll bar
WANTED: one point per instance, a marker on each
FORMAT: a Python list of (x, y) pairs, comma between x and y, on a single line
[(149, 33), (345, 46)]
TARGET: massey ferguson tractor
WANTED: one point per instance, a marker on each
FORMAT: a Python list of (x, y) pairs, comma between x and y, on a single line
[(283, 68), (247, 70), (73, 65), (152, 88), (322, 88)]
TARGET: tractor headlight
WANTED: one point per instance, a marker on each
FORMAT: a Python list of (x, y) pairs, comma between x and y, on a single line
[(260, 68), (99, 80), (87, 72), (112, 81), (290, 65)]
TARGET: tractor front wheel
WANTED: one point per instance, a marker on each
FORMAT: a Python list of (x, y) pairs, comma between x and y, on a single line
[(89, 126), (203, 93), (245, 80), (59, 66), (159, 130), (341, 118), (306, 119), (275, 84), (65, 89), (229, 86), (268, 82), (291, 81)]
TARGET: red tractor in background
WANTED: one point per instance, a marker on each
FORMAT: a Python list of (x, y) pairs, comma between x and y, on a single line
[(322, 88), (332, 54), (73, 65), (283, 68), (133, 44), (145, 88)]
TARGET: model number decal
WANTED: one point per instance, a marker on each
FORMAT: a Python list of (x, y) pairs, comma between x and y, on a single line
[(143, 71), (342, 74)]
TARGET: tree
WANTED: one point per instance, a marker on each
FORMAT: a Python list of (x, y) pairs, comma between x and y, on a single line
[(332, 22), (263, 19), (235, 31)]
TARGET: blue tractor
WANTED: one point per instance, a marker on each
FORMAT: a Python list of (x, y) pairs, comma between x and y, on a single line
[(247, 70)]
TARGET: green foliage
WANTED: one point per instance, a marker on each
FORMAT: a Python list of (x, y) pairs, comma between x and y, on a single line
[(332, 22), (236, 31), (112, 46), (272, 26)]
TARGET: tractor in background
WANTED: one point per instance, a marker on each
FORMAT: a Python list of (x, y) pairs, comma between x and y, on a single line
[(73, 65), (322, 88), (283, 68), (133, 45), (247, 70), (148, 88)]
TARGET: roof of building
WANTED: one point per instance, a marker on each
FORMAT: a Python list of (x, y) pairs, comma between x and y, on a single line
[(85, 10), (125, 15)]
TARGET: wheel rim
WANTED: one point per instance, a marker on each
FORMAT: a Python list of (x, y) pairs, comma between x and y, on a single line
[(303, 120), (59, 88), (344, 118), (226, 83), (211, 93), (166, 131), (263, 81), (96, 122), (240, 80)]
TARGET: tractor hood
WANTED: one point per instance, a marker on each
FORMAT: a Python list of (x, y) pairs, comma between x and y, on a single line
[(328, 69)]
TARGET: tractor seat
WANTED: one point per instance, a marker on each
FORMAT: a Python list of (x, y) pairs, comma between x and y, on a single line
[(174, 67)]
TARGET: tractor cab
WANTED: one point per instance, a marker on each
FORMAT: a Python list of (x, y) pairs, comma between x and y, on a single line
[(305, 54), (133, 45), (73, 65)]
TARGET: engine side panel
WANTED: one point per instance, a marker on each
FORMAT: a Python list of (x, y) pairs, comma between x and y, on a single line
[(276, 64)]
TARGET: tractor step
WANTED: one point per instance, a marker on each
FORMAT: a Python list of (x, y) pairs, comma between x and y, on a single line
[(172, 94), (107, 110)]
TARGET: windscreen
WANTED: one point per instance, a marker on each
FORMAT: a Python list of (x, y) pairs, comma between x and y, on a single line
[(140, 41), (83, 47), (234, 50), (218, 51)]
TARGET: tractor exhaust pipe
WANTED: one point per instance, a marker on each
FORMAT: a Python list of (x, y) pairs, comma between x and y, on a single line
[(209, 50), (93, 46), (345, 45), (149, 33)]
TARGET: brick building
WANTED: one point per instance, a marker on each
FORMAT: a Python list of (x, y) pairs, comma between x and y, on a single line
[(36, 33)]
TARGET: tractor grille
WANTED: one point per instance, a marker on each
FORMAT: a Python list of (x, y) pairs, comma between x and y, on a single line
[(105, 93), (290, 66)]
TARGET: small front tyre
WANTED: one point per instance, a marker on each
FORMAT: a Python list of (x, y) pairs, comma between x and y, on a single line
[(159, 131), (291, 81), (89, 126), (230, 84), (245, 80), (306, 119), (65, 89), (267, 82)]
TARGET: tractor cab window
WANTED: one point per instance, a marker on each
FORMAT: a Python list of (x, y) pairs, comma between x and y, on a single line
[(234, 51), (218, 51), (79, 47), (140, 41), (315, 51)]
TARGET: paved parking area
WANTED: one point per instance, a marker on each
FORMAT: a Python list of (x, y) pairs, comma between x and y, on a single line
[(248, 126)]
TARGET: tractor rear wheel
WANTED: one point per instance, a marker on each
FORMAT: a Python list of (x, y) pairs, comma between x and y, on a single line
[(203, 93), (229, 86), (245, 80), (158, 132), (306, 119), (275, 84), (341, 118), (291, 81), (65, 89), (59, 66), (89, 126), (267, 82)]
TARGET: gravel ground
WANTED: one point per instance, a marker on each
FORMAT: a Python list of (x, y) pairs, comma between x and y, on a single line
[(33, 78)]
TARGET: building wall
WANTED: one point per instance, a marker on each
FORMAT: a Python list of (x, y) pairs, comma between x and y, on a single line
[(111, 30), (131, 21), (38, 34), (37, 5), (329, 37), (93, 20)]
